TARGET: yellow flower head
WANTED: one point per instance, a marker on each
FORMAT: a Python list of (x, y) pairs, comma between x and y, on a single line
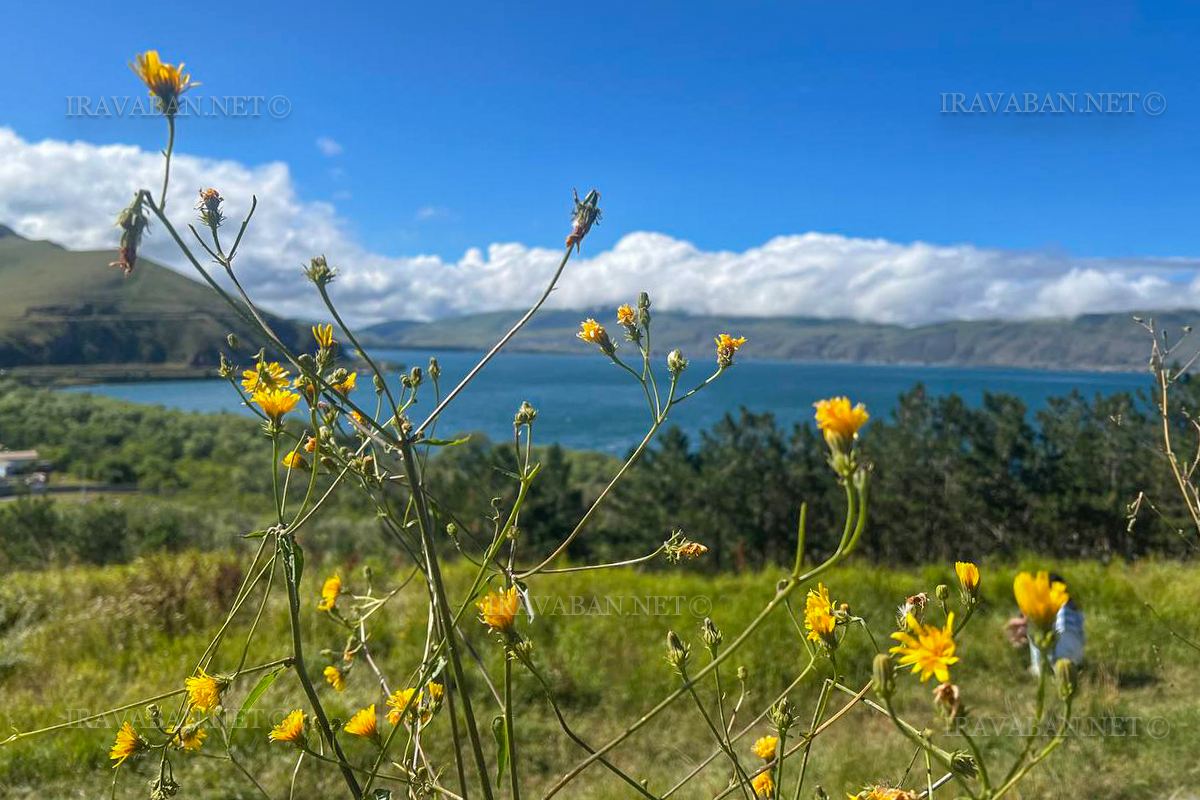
[(430, 700), (726, 347), (927, 648), (335, 678), (363, 724), (498, 610), (347, 386), (324, 336), (763, 785), (1040, 598), (203, 691), (291, 729), (403, 701), (127, 743), (592, 331), (265, 376), (165, 81), (330, 592), (294, 460), (818, 615), (839, 421), (692, 550), (276, 402), (765, 747), (625, 315), (310, 444), (968, 576), (191, 737), (882, 793)]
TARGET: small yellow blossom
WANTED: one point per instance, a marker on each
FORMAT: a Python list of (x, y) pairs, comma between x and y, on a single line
[(726, 347), (191, 737), (324, 336), (335, 678), (275, 403), (402, 700), (310, 444), (839, 421), (329, 592), (927, 648), (203, 691), (347, 386), (430, 700), (498, 610), (594, 332), (359, 418), (165, 81), (968, 576), (692, 550), (1040, 598), (264, 376), (127, 743), (882, 793), (625, 315), (363, 724), (763, 785), (818, 615), (294, 460), (765, 747), (291, 729)]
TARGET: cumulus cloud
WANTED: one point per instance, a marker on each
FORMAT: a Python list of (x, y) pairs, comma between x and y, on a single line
[(328, 146), (69, 192)]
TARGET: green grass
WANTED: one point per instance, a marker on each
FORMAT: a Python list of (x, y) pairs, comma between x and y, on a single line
[(87, 639)]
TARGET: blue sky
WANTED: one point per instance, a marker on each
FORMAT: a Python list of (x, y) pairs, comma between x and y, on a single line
[(720, 123)]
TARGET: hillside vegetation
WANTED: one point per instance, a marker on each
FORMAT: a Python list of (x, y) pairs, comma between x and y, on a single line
[(62, 308)]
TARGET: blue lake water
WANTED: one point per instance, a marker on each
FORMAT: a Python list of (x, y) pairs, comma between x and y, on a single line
[(585, 402)]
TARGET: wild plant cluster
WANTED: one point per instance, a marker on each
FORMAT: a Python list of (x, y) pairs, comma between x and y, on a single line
[(369, 442)]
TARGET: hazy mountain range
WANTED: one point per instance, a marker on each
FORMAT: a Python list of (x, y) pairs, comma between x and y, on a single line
[(67, 315)]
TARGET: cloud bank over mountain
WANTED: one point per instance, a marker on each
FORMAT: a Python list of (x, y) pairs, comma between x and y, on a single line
[(70, 192)]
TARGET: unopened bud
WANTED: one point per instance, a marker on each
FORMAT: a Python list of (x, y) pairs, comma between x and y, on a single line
[(783, 715), (525, 415), (883, 676), (1066, 674), (435, 369), (414, 376), (677, 652), (742, 674), (943, 593), (676, 363), (711, 635), (224, 368)]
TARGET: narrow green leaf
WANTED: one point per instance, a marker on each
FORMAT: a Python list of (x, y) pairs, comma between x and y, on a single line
[(446, 442), (263, 684), (500, 733)]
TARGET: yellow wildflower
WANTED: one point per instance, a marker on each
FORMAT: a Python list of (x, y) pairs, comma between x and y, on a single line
[(839, 421), (927, 648), (692, 550), (324, 336), (310, 444), (191, 737), (763, 785), (968, 576), (882, 793), (726, 347), (818, 615), (264, 376), (594, 332), (165, 81), (275, 403), (430, 700), (402, 700), (294, 460), (291, 729), (335, 678), (498, 610), (329, 592), (765, 747), (347, 386), (1040, 598), (126, 744), (625, 315), (203, 691), (359, 418), (363, 724)]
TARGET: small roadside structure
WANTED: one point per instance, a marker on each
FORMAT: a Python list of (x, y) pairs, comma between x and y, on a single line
[(17, 462)]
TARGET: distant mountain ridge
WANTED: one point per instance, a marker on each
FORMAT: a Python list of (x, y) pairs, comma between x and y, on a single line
[(1088, 342), (65, 312)]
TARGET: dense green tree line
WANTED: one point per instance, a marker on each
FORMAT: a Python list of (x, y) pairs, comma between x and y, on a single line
[(950, 480)]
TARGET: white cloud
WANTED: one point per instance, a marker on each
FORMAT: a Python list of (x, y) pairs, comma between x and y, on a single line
[(328, 146), (70, 192)]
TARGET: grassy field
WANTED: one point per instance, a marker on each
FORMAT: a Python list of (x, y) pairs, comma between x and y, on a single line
[(78, 641)]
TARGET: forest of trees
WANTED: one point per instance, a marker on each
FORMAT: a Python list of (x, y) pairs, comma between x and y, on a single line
[(950, 481)]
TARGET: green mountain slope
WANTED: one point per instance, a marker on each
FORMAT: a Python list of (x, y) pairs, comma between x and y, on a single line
[(61, 309), (1091, 341)]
